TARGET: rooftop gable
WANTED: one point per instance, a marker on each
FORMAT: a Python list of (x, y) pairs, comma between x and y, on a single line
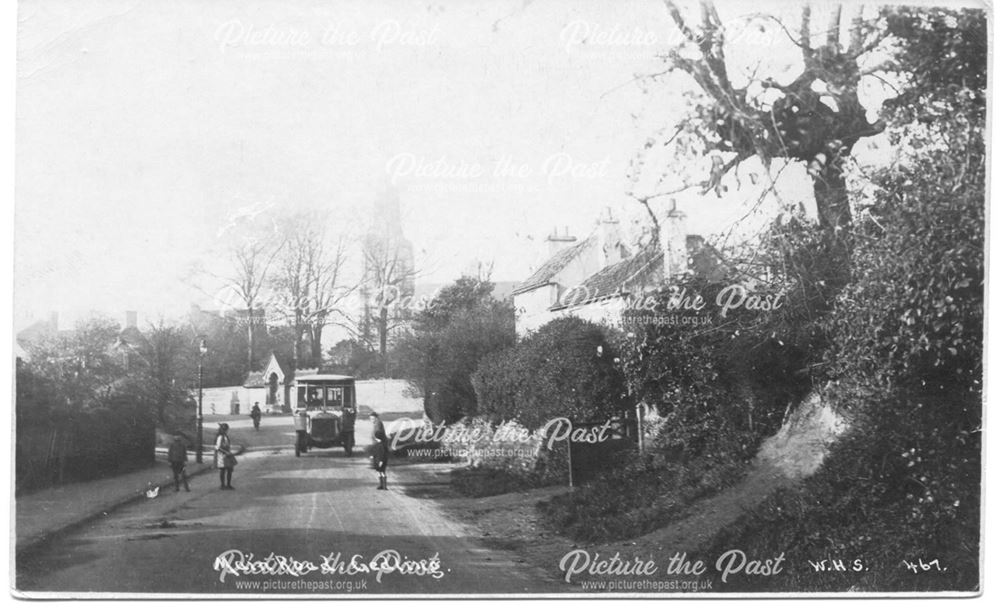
[(543, 275), (614, 279)]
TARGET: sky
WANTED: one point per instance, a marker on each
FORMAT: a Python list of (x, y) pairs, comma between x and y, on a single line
[(144, 127)]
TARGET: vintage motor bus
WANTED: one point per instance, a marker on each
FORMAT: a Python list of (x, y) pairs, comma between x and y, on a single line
[(328, 400)]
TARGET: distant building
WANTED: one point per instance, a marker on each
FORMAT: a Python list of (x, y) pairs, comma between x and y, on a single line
[(131, 342), (272, 387), (128, 345), (598, 277), (202, 321), (388, 271)]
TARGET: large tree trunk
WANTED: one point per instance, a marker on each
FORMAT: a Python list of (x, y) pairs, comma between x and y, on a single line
[(817, 119), (297, 341), (832, 205), (250, 340), (383, 337), (316, 342), (834, 211)]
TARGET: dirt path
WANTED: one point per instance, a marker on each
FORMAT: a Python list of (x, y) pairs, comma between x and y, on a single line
[(513, 522)]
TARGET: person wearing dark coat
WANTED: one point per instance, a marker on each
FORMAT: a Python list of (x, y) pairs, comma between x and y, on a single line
[(255, 415), (177, 456), (380, 450), (349, 415)]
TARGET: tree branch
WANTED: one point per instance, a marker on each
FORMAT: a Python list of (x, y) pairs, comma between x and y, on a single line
[(805, 36), (857, 37), (833, 31), (675, 14)]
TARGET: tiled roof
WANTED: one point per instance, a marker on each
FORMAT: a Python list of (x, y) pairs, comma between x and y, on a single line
[(613, 280), (284, 363), (554, 265), (255, 380), (36, 331)]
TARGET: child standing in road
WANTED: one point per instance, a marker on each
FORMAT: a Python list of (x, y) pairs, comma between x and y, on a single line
[(225, 460), (380, 450), (301, 420), (177, 456)]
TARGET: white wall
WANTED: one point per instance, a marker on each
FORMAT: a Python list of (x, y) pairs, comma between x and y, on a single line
[(605, 312), (532, 309), (216, 400), (389, 395)]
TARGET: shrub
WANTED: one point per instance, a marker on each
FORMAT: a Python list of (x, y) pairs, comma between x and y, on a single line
[(889, 492), (641, 494), (905, 353), (486, 481), (461, 326), (565, 369)]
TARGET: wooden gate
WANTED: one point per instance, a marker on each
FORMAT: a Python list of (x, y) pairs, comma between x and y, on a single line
[(587, 459)]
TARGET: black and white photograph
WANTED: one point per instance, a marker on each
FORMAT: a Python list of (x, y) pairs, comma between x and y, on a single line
[(442, 299)]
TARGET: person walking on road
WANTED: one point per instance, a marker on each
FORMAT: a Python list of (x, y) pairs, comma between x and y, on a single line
[(350, 414), (255, 416), (301, 420), (380, 451), (225, 460), (177, 456)]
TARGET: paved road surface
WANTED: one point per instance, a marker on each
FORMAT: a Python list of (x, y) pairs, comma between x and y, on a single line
[(304, 508)]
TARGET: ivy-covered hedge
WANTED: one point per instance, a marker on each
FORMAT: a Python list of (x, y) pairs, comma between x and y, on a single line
[(905, 363), (567, 368), (717, 383)]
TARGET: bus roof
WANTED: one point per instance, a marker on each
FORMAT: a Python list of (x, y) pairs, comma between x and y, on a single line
[(324, 378)]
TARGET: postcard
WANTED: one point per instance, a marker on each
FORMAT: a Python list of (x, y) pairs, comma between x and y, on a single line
[(506, 299)]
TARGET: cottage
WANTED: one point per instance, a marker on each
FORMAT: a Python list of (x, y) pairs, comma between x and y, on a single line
[(599, 277)]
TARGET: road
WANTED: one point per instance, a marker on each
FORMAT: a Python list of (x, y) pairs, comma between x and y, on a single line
[(305, 511)]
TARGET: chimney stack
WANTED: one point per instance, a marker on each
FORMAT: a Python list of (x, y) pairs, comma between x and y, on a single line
[(559, 242), (673, 242), (610, 250)]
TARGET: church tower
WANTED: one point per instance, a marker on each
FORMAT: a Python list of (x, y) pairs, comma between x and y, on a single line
[(388, 265)]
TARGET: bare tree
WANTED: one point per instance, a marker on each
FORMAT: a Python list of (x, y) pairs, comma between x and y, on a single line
[(330, 290), (389, 278), (250, 261), (311, 280), (817, 118)]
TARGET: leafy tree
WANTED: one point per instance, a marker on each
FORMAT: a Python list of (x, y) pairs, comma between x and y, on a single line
[(352, 357), (81, 366), (225, 363), (464, 294), (75, 393), (565, 369), (462, 325), (163, 379)]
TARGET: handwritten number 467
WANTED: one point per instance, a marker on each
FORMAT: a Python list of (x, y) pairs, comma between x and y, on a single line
[(921, 566)]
